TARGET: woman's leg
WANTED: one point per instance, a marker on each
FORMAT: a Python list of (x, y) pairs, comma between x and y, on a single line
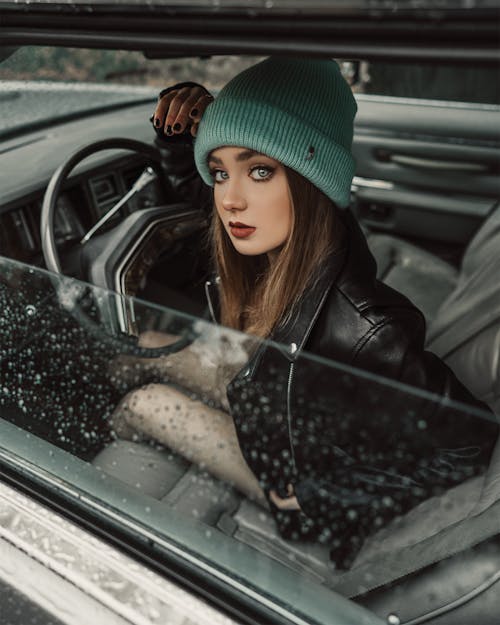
[(201, 434), (204, 367)]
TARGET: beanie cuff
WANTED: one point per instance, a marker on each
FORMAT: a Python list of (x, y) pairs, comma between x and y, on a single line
[(280, 135)]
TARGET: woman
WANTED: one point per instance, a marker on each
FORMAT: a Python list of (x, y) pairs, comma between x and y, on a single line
[(337, 455)]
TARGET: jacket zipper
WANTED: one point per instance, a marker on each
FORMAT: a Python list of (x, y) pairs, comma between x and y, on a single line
[(289, 412), (295, 351)]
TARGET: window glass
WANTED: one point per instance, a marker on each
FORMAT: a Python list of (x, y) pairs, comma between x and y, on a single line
[(117, 67), (465, 82), (459, 83), (145, 434), (67, 82)]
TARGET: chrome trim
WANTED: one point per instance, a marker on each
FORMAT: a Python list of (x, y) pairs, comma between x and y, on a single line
[(125, 309), (124, 306), (111, 579), (119, 276), (371, 183), (146, 178), (64, 488), (366, 97)]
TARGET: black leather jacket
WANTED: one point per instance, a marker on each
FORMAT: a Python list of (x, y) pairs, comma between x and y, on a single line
[(358, 449)]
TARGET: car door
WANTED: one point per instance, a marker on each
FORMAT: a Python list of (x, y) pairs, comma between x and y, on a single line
[(427, 162)]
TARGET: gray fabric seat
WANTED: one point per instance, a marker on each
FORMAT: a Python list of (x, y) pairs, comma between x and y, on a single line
[(425, 279), (462, 307), (167, 477), (406, 567)]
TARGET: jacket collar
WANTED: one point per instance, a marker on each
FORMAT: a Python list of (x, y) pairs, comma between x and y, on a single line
[(296, 328), (294, 331)]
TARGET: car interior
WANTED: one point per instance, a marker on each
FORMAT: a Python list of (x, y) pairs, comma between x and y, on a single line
[(434, 231), (426, 192)]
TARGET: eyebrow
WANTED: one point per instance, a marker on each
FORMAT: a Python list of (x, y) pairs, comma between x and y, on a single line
[(245, 155)]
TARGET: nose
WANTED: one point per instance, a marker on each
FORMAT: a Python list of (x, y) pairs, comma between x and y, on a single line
[(233, 198)]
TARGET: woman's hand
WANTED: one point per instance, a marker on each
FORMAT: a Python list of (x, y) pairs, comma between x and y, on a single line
[(288, 503), (181, 110)]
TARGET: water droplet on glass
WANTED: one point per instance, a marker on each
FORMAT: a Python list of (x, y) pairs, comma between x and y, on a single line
[(393, 619)]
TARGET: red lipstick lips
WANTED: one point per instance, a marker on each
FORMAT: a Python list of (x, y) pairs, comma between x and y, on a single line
[(239, 230)]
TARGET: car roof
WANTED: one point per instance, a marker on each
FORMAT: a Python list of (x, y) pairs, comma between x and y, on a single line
[(430, 30)]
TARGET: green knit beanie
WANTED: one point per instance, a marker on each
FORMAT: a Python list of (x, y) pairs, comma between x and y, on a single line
[(297, 111)]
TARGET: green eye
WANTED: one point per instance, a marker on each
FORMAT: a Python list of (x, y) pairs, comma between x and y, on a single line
[(261, 172), (219, 175)]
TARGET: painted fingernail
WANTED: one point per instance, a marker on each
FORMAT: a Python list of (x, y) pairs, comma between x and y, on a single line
[(157, 122), (177, 127), (169, 130), (194, 113)]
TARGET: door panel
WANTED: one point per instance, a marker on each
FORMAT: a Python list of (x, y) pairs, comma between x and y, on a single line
[(426, 170)]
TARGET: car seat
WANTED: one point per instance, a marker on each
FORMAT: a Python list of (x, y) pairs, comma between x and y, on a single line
[(461, 306), (439, 563)]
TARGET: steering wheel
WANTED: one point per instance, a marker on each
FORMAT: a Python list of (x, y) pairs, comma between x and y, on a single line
[(47, 226), (116, 333)]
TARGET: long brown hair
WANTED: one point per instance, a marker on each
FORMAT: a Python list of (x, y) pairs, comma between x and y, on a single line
[(256, 295)]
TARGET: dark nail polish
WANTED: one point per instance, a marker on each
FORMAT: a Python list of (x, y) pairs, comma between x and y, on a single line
[(177, 127), (193, 113), (169, 130), (157, 122), (151, 118)]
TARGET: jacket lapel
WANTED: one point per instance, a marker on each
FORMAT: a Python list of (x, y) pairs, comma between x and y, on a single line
[(294, 331)]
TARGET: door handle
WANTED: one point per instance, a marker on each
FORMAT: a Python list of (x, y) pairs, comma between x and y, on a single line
[(430, 163)]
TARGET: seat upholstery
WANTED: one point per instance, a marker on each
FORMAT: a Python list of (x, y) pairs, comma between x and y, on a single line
[(149, 468), (462, 307), (163, 475), (407, 566), (425, 279), (429, 597)]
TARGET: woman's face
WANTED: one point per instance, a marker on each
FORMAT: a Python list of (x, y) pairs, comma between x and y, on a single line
[(252, 199)]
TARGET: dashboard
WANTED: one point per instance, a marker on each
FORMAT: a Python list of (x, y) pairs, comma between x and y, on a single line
[(92, 189), (78, 207)]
